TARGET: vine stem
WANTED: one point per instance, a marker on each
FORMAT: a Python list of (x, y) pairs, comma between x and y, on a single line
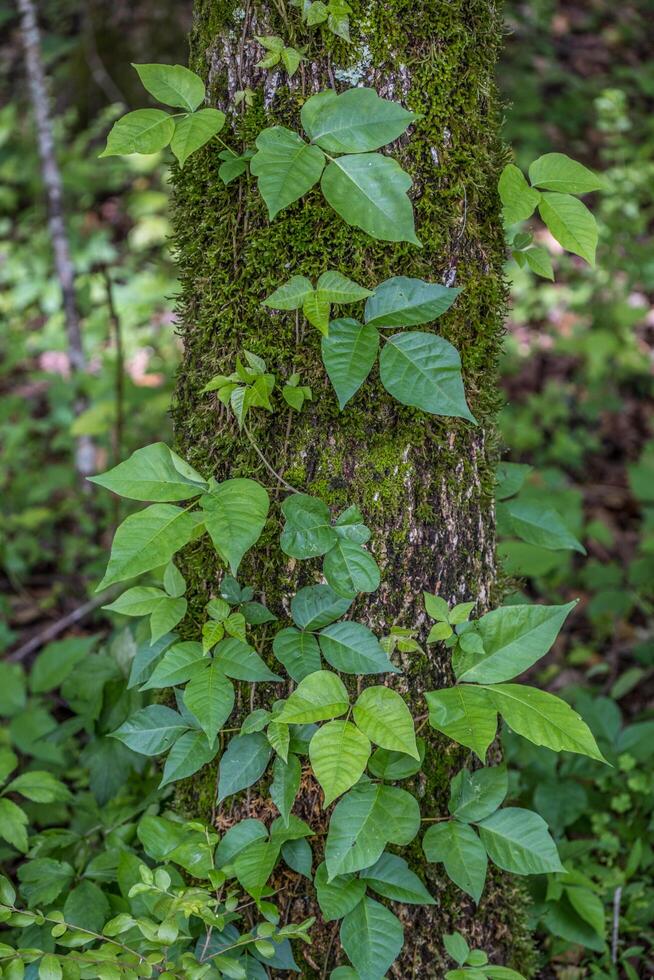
[(271, 469), (89, 932)]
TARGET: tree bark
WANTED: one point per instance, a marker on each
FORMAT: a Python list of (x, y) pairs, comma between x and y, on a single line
[(423, 483)]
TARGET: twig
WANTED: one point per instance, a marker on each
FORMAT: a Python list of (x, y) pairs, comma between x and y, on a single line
[(52, 631), (84, 451), (617, 897), (268, 466), (119, 382)]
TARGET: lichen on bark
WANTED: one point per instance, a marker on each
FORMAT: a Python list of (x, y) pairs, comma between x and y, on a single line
[(423, 483)]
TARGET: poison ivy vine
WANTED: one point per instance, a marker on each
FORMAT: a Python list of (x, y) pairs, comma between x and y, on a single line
[(356, 746), (555, 182)]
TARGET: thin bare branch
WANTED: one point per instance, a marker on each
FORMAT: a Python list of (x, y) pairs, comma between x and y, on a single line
[(84, 455)]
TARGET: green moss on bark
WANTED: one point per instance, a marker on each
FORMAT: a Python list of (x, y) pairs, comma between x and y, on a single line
[(424, 483)]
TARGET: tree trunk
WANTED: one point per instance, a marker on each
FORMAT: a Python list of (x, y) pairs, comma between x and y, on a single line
[(423, 483)]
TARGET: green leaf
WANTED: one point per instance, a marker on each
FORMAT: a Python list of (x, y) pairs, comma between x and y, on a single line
[(460, 613), (538, 524), (13, 825), (190, 753), (571, 223), (235, 513), (339, 753), (352, 648), (590, 907), (38, 786), (285, 166), (476, 795), (318, 697), (540, 262), (147, 540), (237, 838), (8, 762), (298, 652), (339, 896), (153, 473), (316, 309), (457, 846), (404, 302), (173, 581), (372, 937), (57, 661), (423, 370), (557, 172), (141, 131), (172, 84), (308, 531), (244, 762), (519, 200), (518, 841), (510, 478), (369, 191), (87, 907), (316, 606), (465, 714), (212, 633), (291, 295), (316, 13), (294, 830), (392, 878), (43, 880), (393, 766), (349, 569), (165, 616), (151, 730), (356, 121), (209, 695), (50, 968), (179, 664), (255, 613), (239, 660), (337, 288), (384, 717), (499, 973), (146, 655), (349, 524), (457, 947), (436, 607), (298, 856), (254, 865), (364, 821), (291, 60), (285, 785), (349, 353), (168, 840), (12, 686), (514, 638), (192, 132), (233, 165), (279, 736), (544, 719)]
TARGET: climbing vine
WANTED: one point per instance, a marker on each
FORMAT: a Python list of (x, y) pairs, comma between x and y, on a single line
[(333, 719)]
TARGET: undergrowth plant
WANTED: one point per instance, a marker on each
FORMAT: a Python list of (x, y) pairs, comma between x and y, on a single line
[(336, 716)]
